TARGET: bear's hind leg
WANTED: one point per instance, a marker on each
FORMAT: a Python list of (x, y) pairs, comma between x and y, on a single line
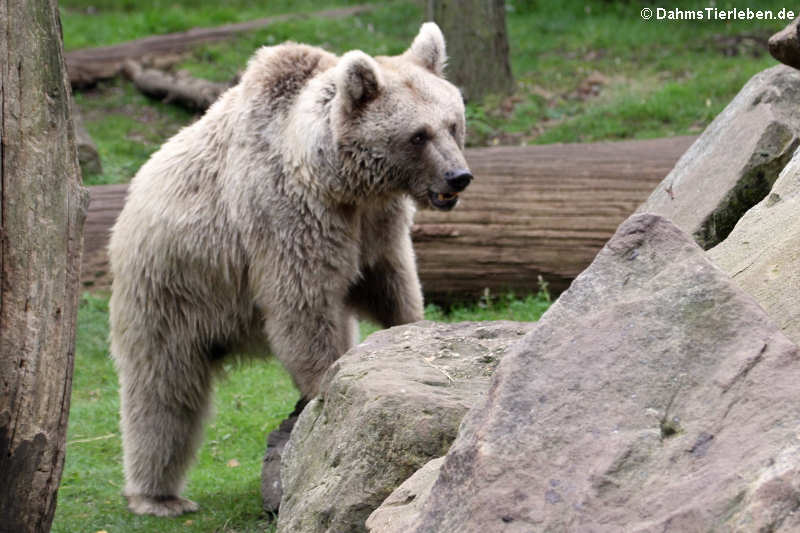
[(162, 424)]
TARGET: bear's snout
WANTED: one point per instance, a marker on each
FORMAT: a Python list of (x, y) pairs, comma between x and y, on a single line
[(458, 179)]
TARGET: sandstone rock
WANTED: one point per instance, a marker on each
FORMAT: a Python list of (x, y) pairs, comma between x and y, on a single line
[(391, 404), (762, 253), (785, 45), (734, 163), (654, 395), (401, 509)]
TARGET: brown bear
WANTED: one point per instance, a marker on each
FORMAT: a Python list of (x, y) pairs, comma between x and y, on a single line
[(269, 225)]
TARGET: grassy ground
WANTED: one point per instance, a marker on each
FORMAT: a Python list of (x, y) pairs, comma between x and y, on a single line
[(589, 71), (90, 23), (585, 70), (250, 402)]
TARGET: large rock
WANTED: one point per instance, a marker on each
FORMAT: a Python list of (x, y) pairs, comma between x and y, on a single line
[(401, 509), (763, 252), (785, 45), (392, 404), (734, 163), (654, 395)]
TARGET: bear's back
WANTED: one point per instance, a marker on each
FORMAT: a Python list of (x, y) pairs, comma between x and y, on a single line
[(276, 75), (196, 157)]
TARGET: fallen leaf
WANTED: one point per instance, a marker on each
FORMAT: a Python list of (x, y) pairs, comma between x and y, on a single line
[(233, 463)]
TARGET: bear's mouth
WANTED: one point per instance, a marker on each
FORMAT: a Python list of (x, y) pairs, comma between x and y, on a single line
[(443, 200)]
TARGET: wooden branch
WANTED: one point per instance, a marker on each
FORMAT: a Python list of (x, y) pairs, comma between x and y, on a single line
[(92, 439), (532, 210), (180, 88), (88, 65)]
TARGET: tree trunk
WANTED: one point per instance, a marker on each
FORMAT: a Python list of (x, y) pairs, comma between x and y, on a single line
[(531, 211), (42, 210), (477, 45)]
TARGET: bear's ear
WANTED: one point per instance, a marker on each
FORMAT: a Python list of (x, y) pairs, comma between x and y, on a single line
[(359, 79), (428, 49)]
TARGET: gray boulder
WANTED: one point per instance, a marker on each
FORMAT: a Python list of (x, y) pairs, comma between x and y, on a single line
[(654, 395), (762, 253), (401, 509), (734, 163), (391, 404)]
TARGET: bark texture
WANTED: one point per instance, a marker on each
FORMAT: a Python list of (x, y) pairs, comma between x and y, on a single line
[(42, 210), (477, 45), (531, 210)]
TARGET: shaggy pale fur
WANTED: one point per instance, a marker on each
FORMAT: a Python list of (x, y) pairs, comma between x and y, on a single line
[(271, 223)]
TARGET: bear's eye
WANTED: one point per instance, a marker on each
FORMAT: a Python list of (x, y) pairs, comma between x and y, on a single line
[(419, 138), (453, 130)]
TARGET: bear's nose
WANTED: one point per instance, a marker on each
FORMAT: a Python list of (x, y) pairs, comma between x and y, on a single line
[(458, 179)]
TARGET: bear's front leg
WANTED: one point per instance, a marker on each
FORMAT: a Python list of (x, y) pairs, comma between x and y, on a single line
[(308, 341), (388, 290)]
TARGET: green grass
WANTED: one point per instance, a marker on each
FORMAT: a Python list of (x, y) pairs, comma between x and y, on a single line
[(250, 401), (657, 78), (494, 307), (105, 22)]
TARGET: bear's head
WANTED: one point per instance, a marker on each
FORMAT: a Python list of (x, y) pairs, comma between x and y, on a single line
[(398, 125)]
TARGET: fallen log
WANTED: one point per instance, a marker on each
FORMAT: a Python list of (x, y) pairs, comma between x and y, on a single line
[(536, 210), (181, 88), (531, 211), (88, 65)]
